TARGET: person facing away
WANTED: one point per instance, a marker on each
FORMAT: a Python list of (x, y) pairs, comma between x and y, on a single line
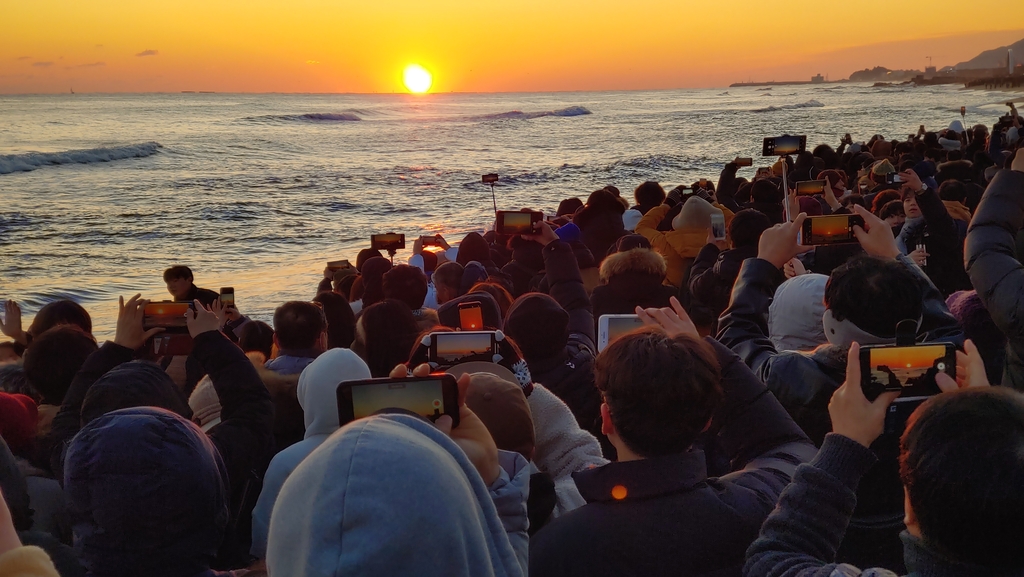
[(961, 467), (181, 285), (300, 333), (656, 511)]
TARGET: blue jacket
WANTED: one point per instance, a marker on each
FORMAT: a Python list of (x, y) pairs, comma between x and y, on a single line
[(392, 495)]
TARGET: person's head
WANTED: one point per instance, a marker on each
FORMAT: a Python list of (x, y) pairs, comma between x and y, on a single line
[(746, 227), (794, 316), (893, 213), (318, 388), (893, 291), (18, 416), (766, 191), (373, 280), (962, 467), (407, 284), (659, 392), (344, 286), (836, 179), (365, 255), (398, 471), (300, 325), (448, 314), (148, 494), (257, 336), (602, 200), (10, 352), (853, 199), (569, 207), (447, 280), (910, 207), (134, 384), (539, 325), (179, 281), (62, 312), (501, 404), (53, 359), (695, 215), (953, 190), (883, 198), (473, 248), (649, 194), (341, 321), (501, 296), (809, 206), (384, 336)]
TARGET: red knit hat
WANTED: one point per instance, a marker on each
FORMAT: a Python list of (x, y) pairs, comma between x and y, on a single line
[(18, 416)]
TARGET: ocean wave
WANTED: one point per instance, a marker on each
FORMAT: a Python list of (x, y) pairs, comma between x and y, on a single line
[(32, 160), (809, 104), (520, 115), (308, 117)]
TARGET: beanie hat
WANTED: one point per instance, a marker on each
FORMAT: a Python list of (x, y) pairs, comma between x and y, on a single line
[(970, 312), (630, 218), (473, 247), (631, 241), (365, 255), (568, 232), (777, 168), (809, 205), (507, 359), (696, 213), (880, 169), (205, 404), (746, 227), (448, 313), (881, 149), (18, 416), (539, 325), (568, 206), (504, 410)]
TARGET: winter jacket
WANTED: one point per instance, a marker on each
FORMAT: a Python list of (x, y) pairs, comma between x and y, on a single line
[(994, 270), (802, 536), (937, 230), (673, 519), (599, 229), (631, 279), (27, 562), (714, 272), (393, 495), (288, 427), (679, 247)]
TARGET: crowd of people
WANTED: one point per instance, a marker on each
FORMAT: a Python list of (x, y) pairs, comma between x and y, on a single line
[(731, 435)]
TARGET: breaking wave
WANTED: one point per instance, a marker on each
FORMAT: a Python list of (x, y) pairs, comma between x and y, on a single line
[(309, 117), (32, 160), (809, 104), (520, 115)]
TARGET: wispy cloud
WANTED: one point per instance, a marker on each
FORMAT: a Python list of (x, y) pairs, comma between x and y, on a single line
[(90, 65), (148, 53), (42, 64), (23, 58)]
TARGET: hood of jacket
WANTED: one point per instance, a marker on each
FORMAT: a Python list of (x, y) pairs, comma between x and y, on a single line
[(687, 242), (794, 316), (318, 386), (388, 495), (134, 384), (642, 261), (957, 210), (147, 492)]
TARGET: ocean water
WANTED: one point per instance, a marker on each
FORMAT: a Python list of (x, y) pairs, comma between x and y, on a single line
[(100, 193)]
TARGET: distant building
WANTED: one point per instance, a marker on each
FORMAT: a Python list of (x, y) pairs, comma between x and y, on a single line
[(929, 71), (817, 79)]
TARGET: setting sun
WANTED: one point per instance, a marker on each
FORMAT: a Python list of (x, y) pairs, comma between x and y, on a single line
[(417, 78)]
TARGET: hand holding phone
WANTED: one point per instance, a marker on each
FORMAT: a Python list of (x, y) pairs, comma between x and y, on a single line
[(831, 229), (131, 331), (509, 222), (810, 187), (743, 161), (471, 316), (853, 415)]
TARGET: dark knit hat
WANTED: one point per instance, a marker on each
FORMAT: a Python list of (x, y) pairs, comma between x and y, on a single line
[(504, 410), (539, 325), (473, 247), (810, 206), (365, 255), (569, 206), (373, 280), (448, 313), (746, 227), (967, 308), (631, 241)]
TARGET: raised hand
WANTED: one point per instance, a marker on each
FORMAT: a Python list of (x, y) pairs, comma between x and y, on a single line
[(11, 323), (130, 332), (779, 244), (853, 415), (203, 321), (876, 236), (970, 371), (674, 321), (544, 235)]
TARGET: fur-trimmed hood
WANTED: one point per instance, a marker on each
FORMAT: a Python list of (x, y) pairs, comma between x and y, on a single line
[(635, 261)]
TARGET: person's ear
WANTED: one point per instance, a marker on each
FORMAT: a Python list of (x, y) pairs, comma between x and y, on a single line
[(910, 518), (607, 426), (276, 342)]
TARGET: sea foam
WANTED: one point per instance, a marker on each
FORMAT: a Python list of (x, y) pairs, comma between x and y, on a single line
[(520, 115), (32, 160), (809, 104)]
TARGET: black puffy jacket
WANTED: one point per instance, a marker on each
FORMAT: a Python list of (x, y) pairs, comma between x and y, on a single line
[(713, 274), (992, 264)]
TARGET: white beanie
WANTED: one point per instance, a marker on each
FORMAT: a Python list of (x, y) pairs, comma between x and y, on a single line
[(630, 218)]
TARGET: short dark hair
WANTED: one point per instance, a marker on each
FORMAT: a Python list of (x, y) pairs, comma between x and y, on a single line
[(54, 358), (893, 291), (746, 227), (661, 390), (256, 336), (178, 271), (892, 208), (649, 192), (765, 190), (500, 294), (855, 198), (883, 198), (14, 381), (953, 190), (389, 330), (62, 312), (298, 325), (449, 275), (341, 321), (962, 463), (407, 284)]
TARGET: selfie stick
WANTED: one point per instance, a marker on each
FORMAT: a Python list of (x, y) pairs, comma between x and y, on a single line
[(785, 187), (391, 253), (494, 200)]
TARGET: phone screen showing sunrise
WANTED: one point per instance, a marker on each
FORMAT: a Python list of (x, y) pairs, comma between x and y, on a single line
[(899, 367), (829, 229)]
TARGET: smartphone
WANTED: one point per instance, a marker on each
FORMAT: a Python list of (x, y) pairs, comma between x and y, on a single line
[(963, 110), (431, 397), (810, 187), (745, 161), (429, 241), (718, 225), (165, 314), (452, 348), (171, 344), (339, 264), (703, 183), (893, 178), (490, 178), (227, 296), (388, 242), (832, 229), (515, 222), (471, 316), (611, 327), (909, 370), (784, 145)]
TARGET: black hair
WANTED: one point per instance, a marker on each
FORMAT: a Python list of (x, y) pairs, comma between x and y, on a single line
[(855, 198), (892, 208), (953, 190), (883, 198), (256, 336), (54, 358), (178, 271), (407, 284), (746, 227), (962, 464), (661, 390), (388, 333), (341, 321), (449, 275), (62, 312), (298, 325), (14, 381), (893, 291), (649, 193)]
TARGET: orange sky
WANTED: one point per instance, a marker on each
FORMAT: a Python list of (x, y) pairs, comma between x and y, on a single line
[(498, 45)]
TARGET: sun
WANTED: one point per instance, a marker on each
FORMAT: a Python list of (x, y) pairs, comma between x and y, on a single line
[(417, 79)]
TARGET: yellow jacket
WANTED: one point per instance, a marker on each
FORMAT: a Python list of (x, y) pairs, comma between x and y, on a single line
[(27, 562), (679, 247)]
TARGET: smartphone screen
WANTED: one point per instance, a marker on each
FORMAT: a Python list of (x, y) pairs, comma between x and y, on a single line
[(744, 162), (613, 327), (515, 222), (471, 316), (165, 314), (910, 370), (718, 225), (449, 349), (389, 241), (810, 187), (819, 230), (783, 145), (227, 296), (430, 397)]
